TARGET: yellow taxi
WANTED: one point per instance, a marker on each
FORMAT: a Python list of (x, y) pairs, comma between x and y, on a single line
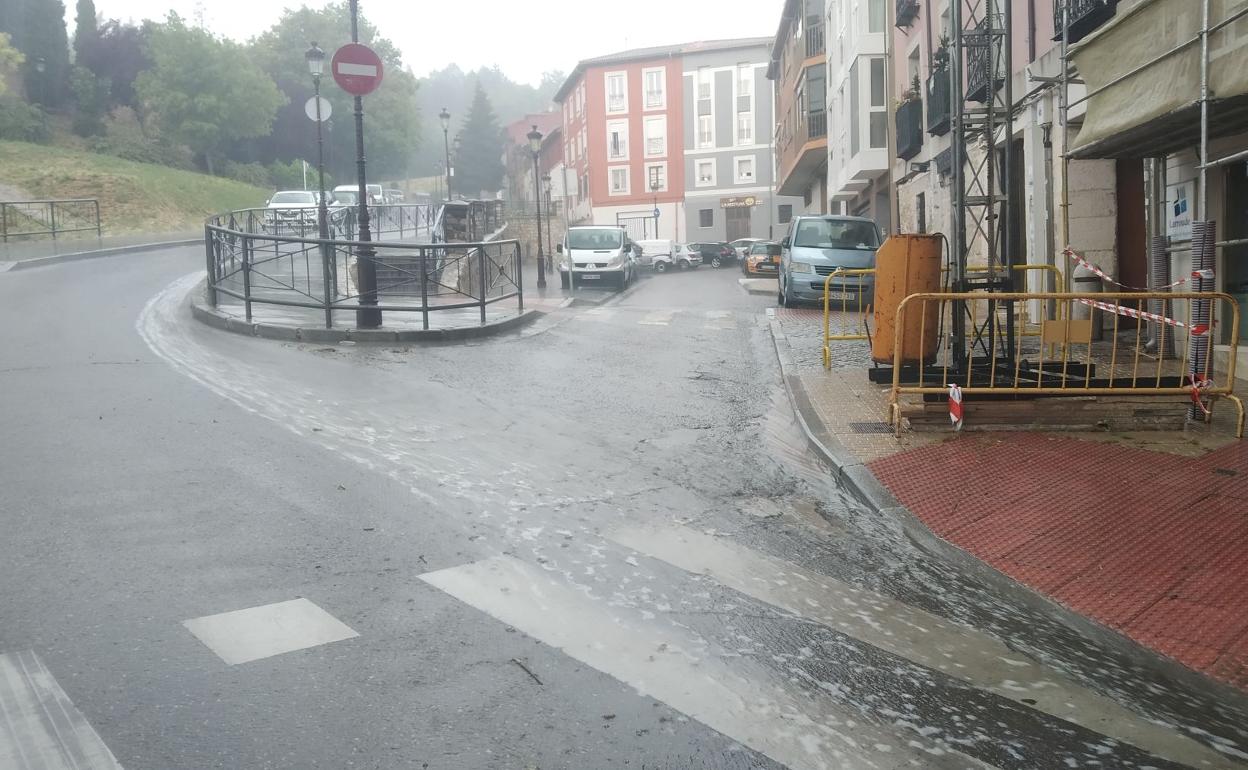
[(762, 259)]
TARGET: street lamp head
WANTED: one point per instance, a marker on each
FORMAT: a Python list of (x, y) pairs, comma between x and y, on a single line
[(316, 60), (445, 117), (535, 140)]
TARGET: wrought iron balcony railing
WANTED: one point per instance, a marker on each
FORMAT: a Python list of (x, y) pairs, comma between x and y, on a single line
[(983, 55), (907, 12), (1085, 16), (909, 128)]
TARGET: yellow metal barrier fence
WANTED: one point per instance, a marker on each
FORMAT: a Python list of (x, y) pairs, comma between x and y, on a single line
[(852, 320), (858, 312), (1130, 367)]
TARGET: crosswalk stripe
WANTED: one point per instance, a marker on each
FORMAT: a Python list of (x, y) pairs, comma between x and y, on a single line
[(929, 640), (40, 728), (658, 318), (744, 702), (719, 319)]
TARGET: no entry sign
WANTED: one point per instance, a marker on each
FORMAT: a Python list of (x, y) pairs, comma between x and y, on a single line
[(356, 69)]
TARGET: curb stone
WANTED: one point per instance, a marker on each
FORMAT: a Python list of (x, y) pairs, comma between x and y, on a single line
[(853, 475), (206, 314), (78, 256)]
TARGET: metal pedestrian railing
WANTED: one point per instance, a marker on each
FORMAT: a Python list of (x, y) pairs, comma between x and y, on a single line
[(256, 259), (1065, 359), (37, 219)]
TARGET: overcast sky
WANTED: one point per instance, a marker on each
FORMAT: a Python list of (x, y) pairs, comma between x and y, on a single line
[(522, 41)]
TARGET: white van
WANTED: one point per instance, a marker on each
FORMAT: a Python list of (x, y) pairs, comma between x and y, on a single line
[(598, 254), (375, 194)]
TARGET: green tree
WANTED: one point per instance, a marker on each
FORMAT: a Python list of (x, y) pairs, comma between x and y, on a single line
[(205, 92), (453, 88), (37, 29), (478, 162), (90, 100), (10, 60), (391, 130), (86, 32)]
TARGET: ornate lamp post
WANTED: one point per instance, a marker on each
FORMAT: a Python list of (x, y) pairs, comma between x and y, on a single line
[(535, 146), (316, 66), (445, 117)]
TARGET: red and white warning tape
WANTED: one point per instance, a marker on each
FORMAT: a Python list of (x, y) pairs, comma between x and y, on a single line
[(955, 406), (1199, 330), (1206, 275), (1200, 385)]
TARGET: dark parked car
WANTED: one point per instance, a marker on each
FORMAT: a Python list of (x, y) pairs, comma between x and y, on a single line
[(714, 254)]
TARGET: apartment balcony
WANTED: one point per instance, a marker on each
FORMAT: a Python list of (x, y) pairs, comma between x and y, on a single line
[(907, 12), (805, 156), (909, 128), (939, 104), (1085, 16), (815, 44)]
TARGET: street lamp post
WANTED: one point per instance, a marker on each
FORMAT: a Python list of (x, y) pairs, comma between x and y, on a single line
[(367, 316), (535, 146), (549, 248), (445, 117), (654, 190), (455, 143), (316, 66)]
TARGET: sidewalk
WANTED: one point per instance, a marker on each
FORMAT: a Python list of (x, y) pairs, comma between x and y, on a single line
[(1146, 533)]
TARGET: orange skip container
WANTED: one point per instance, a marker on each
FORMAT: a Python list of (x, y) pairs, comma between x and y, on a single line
[(905, 265)]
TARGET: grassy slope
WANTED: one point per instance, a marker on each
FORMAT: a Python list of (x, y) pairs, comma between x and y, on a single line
[(134, 197)]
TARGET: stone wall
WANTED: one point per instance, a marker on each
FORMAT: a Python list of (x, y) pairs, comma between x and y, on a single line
[(522, 226)]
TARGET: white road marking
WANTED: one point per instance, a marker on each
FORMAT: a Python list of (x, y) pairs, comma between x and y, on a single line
[(40, 728), (719, 320), (658, 318), (596, 314), (242, 636), (965, 653), (744, 701)]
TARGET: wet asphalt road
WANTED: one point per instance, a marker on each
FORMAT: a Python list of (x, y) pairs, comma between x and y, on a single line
[(597, 543)]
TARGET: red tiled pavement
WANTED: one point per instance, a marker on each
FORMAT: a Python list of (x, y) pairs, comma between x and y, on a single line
[(1152, 544)]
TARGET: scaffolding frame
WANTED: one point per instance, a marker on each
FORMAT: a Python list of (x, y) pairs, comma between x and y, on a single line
[(1204, 244), (982, 42)]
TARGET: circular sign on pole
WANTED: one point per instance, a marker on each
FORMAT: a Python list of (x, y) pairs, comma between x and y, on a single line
[(656, 212), (357, 69), (309, 107)]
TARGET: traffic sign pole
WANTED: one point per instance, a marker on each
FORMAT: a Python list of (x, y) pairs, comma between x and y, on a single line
[(367, 316)]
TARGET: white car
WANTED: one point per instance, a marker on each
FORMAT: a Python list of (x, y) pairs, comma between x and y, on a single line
[(598, 255), (742, 246), (290, 209)]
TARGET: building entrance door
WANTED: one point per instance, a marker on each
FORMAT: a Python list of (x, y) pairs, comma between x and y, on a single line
[(737, 222)]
